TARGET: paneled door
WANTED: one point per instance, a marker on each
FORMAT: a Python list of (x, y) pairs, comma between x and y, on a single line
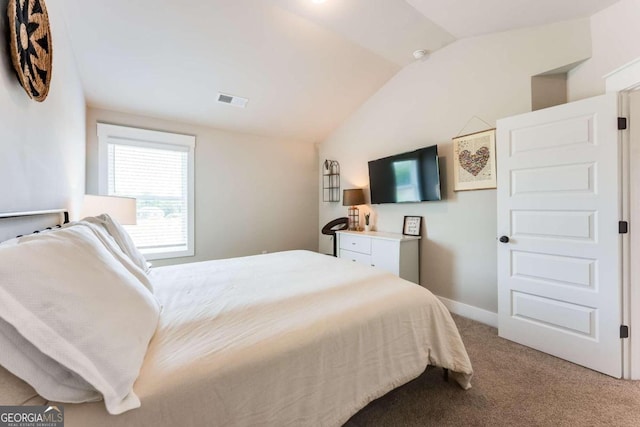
[(559, 249)]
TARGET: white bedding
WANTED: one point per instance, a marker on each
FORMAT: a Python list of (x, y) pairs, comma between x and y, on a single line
[(292, 338)]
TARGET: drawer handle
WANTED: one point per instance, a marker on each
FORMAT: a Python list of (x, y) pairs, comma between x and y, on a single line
[(353, 243)]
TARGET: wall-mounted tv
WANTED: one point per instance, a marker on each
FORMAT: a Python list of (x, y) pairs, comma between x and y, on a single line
[(404, 178)]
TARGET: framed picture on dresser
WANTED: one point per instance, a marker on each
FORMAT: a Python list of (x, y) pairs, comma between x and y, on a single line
[(412, 226)]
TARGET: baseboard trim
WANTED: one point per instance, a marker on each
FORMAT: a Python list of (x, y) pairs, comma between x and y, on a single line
[(469, 311)]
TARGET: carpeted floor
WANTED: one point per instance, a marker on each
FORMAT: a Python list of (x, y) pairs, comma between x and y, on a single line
[(512, 386)]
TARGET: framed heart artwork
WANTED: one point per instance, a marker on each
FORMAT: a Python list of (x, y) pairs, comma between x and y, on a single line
[(474, 158)]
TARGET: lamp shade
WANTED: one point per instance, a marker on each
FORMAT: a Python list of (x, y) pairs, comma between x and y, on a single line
[(353, 197), (122, 209)]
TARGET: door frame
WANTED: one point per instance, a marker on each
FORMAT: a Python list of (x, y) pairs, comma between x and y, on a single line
[(626, 80)]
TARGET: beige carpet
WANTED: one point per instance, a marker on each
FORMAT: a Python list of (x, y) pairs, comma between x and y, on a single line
[(512, 386)]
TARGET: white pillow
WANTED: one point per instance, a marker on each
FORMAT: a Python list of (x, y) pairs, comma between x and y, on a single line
[(122, 238), (108, 241), (75, 323)]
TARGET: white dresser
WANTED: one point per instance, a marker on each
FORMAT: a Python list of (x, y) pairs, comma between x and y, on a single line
[(393, 252)]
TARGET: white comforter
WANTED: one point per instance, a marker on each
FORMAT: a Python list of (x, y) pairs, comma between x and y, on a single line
[(292, 338)]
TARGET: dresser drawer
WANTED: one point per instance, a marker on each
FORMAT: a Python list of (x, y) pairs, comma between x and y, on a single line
[(355, 256), (396, 253), (355, 243)]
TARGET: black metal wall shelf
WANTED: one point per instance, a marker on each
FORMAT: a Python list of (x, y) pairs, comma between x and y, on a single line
[(331, 181)]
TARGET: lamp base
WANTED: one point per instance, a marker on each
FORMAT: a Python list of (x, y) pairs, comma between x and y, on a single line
[(354, 218)]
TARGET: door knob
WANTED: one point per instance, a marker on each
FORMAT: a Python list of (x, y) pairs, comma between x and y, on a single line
[(504, 239)]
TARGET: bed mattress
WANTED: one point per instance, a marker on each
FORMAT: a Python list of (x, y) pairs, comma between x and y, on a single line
[(289, 338)]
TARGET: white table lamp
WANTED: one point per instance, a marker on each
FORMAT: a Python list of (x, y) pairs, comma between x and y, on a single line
[(122, 209)]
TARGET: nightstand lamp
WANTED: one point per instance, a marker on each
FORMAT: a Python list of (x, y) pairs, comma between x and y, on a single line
[(352, 198), (122, 209)]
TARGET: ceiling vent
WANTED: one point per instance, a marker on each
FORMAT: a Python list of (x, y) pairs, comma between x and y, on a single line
[(236, 101)]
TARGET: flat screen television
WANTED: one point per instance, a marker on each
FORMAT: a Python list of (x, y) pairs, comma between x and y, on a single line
[(404, 178)]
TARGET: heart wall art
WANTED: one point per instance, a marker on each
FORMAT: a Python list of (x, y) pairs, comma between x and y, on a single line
[(474, 159)]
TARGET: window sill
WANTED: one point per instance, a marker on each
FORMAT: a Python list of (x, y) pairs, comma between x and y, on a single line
[(166, 253)]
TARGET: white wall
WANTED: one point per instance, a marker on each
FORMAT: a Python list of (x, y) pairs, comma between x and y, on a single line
[(42, 144), (252, 193), (548, 90), (615, 34), (429, 102)]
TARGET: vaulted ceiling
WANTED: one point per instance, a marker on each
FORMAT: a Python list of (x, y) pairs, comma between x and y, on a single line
[(304, 66)]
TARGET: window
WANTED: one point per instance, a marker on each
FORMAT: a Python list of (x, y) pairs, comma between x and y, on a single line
[(157, 169)]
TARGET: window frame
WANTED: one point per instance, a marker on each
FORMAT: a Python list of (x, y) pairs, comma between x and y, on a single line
[(137, 137)]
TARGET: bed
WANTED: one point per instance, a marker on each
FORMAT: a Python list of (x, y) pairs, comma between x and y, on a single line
[(288, 338)]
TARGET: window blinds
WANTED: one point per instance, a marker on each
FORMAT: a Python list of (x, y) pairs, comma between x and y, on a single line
[(158, 178)]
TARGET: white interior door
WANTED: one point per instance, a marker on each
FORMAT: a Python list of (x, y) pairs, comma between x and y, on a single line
[(559, 274)]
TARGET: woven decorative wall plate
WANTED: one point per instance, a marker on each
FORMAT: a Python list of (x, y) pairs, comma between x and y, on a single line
[(31, 48)]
